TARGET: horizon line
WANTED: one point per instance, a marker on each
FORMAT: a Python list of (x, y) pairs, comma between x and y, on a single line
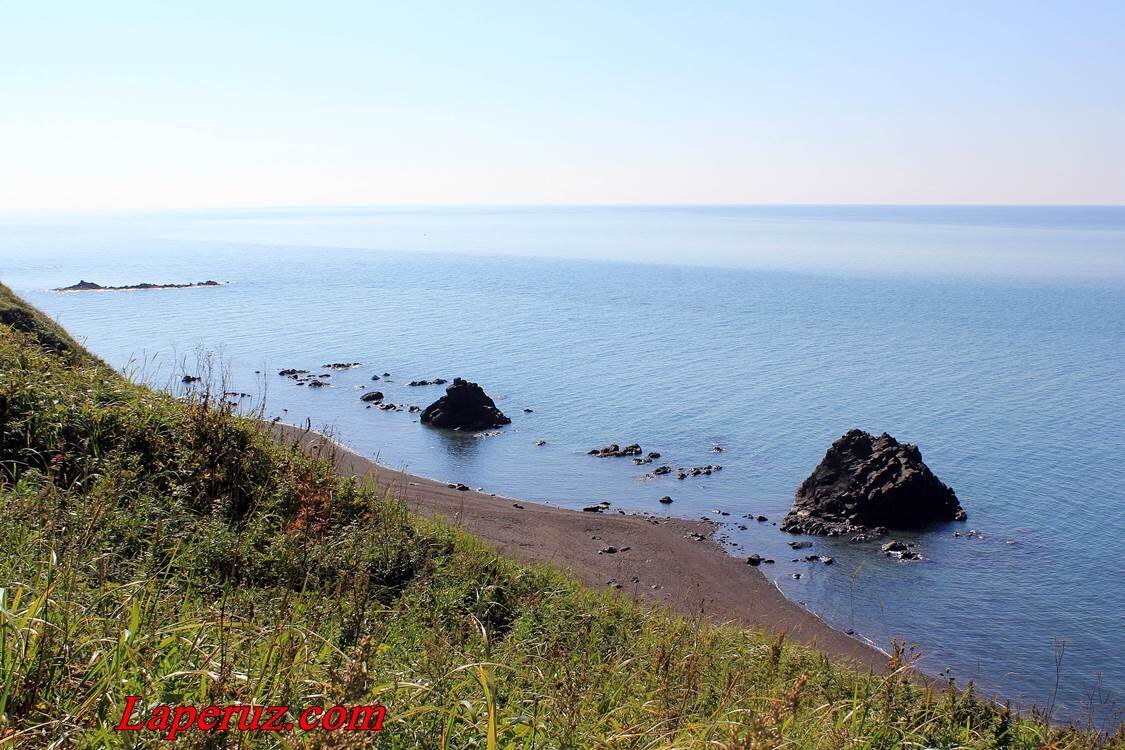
[(518, 206)]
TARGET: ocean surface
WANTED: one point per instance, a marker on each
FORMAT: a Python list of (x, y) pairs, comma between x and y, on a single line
[(994, 338)]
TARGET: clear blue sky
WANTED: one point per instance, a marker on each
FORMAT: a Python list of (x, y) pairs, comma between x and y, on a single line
[(199, 104)]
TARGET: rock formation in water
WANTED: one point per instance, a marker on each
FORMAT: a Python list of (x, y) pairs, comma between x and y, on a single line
[(866, 484), (615, 450), (89, 286), (465, 406)]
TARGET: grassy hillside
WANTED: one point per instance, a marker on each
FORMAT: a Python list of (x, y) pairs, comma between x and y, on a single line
[(48, 334), (166, 548)]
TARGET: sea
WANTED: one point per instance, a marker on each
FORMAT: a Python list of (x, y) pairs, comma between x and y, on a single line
[(991, 337)]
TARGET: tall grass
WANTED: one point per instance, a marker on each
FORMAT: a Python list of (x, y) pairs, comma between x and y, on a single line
[(169, 548)]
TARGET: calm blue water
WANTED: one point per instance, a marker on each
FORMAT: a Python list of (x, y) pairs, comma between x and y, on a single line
[(992, 337)]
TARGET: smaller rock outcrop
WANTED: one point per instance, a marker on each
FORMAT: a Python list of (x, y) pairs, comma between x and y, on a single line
[(868, 484), (465, 406), (616, 451), (372, 396)]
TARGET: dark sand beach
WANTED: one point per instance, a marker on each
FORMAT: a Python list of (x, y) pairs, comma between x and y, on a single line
[(692, 576)]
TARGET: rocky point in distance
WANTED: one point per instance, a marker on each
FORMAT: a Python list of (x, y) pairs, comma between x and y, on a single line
[(465, 406), (89, 286), (866, 485)]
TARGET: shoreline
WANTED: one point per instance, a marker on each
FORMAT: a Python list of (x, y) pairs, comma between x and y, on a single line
[(667, 562)]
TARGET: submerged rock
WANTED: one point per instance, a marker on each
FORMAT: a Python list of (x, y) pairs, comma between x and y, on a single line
[(465, 406), (866, 482)]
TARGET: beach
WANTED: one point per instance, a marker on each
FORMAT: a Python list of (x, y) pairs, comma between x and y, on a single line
[(668, 562)]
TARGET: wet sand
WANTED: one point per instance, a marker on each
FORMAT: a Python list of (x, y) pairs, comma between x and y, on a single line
[(692, 576)]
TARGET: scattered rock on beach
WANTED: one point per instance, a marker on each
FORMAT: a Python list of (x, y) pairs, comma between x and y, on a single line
[(666, 500), (341, 365), (317, 384), (540, 443), (372, 396), (754, 560), (190, 379), (864, 482), (465, 406)]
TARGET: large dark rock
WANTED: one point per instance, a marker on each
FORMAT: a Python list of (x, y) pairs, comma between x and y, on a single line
[(867, 483), (465, 406)]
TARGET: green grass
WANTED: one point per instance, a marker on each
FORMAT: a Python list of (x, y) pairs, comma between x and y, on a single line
[(170, 549), (48, 334)]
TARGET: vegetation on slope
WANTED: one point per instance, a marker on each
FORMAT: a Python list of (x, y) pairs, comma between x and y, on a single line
[(169, 549), (47, 333)]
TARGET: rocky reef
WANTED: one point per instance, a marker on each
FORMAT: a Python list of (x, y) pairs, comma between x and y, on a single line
[(465, 406), (90, 286), (865, 485)]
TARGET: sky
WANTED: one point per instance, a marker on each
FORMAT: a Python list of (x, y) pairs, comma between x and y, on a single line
[(152, 105)]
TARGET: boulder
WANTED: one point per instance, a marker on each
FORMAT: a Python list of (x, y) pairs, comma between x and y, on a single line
[(867, 484), (372, 396), (465, 406)]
